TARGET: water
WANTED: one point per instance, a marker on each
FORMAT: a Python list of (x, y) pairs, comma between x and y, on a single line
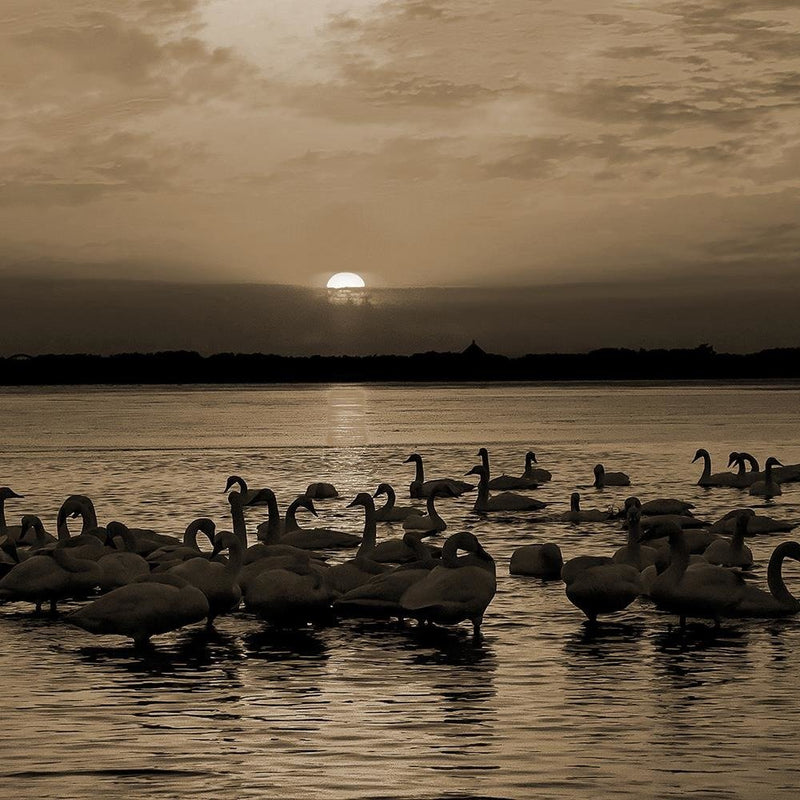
[(542, 707)]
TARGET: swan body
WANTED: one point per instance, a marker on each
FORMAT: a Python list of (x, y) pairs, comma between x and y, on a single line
[(420, 488), (603, 478), (718, 479), (577, 564), (575, 514), (50, 577), (504, 482), (171, 555), (321, 491), (536, 474), (148, 606), (400, 551), (666, 506), (314, 538), (505, 501), (391, 512), (745, 478), (733, 553), (604, 589), (757, 525), (704, 590), (538, 561), (778, 601), (768, 487), (458, 588)]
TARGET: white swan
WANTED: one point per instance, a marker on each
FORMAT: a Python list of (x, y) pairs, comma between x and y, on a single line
[(702, 590), (537, 561), (505, 501), (575, 514), (779, 601), (769, 487), (352, 573), (536, 474), (6, 493), (172, 555), (758, 524), (666, 506), (390, 512), (315, 538), (604, 589), (603, 478), (379, 597), (458, 588), (420, 488), (745, 478), (148, 606), (718, 479), (733, 553), (505, 481), (122, 566), (321, 491), (50, 577), (431, 522), (216, 580), (634, 553)]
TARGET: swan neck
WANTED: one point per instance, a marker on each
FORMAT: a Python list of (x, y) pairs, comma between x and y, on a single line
[(575, 505), (273, 513), (3, 524), (777, 586), (679, 557), (235, 556), (62, 526), (239, 525), (420, 471), (432, 512), (370, 537), (485, 460), (391, 499)]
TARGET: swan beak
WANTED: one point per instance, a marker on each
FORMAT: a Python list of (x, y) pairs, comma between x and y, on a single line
[(353, 502), (476, 470), (409, 459), (12, 493)]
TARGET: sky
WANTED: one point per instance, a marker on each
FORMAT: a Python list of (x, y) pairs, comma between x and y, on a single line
[(419, 143)]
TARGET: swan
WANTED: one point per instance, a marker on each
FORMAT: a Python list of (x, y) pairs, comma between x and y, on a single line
[(505, 481), (604, 589), (317, 538), (603, 478), (702, 590), (289, 596), (758, 524), (505, 501), (666, 506), (634, 553), (344, 577), (250, 497), (779, 601), (536, 474), (390, 512), (399, 551), (458, 588), (217, 581), (733, 553), (50, 577), (537, 560), (768, 487), (718, 479), (745, 478), (380, 596), (123, 566), (576, 515), (148, 606), (420, 488), (321, 491), (6, 493), (171, 555), (33, 534), (431, 522)]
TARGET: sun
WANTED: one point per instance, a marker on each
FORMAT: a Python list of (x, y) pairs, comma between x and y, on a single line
[(346, 280)]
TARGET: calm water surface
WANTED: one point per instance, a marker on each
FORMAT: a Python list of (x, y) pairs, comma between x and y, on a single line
[(540, 708)]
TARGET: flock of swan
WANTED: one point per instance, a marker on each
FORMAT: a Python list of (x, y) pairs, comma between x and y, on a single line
[(139, 583)]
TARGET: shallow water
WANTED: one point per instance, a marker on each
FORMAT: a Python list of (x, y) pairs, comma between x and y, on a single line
[(542, 707)]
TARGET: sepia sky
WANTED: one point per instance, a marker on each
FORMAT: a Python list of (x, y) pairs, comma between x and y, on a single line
[(417, 142)]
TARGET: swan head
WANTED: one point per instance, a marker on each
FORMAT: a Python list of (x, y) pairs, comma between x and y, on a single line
[(701, 453), (114, 529), (416, 457), (6, 493), (224, 540), (235, 480), (632, 502), (30, 521), (670, 529), (383, 488), (362, 499), (77, 505), (734, 458), (203, 525), (304, 501), (483, 453), (599, 470), (743, 517), (530, 456), (772, 462)]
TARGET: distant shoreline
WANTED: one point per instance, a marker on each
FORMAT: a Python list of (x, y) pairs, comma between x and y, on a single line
[(472, 365)]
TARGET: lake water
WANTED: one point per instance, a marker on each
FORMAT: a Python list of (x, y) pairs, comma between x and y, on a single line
[(542, 707)]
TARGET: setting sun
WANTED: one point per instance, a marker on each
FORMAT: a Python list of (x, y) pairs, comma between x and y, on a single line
[(346, 280)]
